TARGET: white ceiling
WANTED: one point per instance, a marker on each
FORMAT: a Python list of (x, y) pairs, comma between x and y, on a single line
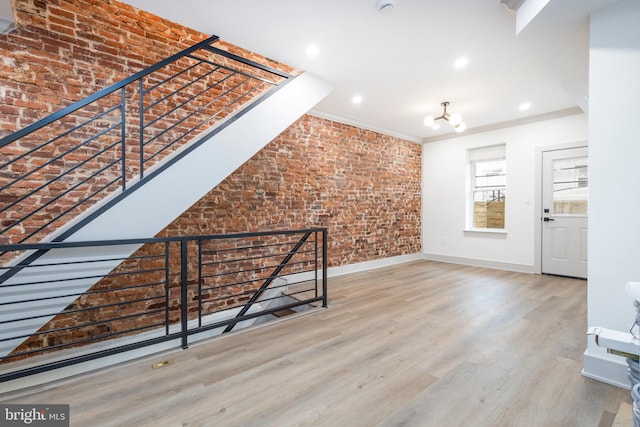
[(401, 63)]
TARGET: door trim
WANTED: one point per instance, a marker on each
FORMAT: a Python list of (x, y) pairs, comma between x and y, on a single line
[(537, 217)]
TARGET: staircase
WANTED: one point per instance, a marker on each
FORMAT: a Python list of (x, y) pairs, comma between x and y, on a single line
[(125, 162), (295, 293)]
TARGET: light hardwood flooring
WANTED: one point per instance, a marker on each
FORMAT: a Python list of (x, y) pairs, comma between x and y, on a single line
[(418, 344)]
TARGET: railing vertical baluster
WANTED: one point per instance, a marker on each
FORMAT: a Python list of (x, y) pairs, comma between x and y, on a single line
[(199, 283), (315, 266), (324, 268), (123, 136), (184, 292), (141, 124), (167, 299)]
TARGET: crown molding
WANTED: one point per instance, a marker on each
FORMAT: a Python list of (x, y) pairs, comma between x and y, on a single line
[(363, 125), (511, 123), (469, 131)]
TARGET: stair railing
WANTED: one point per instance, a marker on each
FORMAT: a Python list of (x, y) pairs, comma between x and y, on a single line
[(107, 145), (294, 251), (173, 289)]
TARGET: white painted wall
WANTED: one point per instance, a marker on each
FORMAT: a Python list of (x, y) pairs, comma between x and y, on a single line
[(614, 178), (443, 182)]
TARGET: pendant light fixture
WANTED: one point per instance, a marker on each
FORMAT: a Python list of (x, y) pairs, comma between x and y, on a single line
[(386, 6), (454, 120)]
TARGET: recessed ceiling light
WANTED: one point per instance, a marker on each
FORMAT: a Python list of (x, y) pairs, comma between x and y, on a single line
[(357, 99), (312, 50), (525, 106), (461, 62)]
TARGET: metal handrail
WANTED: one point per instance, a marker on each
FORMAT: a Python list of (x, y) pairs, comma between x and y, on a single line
[(170, 290), (154, 112)]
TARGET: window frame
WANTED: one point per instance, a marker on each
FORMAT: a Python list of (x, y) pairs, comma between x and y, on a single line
[(476, 155)]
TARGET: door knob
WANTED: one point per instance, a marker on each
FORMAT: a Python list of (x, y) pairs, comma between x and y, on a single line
[(547, 219)]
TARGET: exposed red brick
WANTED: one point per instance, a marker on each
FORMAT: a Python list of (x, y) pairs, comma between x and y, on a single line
[(65, 50), (362, 185)]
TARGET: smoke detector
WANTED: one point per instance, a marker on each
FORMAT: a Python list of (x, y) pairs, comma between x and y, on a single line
[(386, 6)]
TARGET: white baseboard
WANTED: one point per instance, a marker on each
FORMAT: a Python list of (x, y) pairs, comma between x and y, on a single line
[(474, 262), (372, 265), (609, 371), (355, 268)]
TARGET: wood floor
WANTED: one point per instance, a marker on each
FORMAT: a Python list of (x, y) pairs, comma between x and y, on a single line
[(420, 344)]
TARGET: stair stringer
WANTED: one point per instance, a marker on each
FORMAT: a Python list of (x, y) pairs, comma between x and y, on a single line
[(149, 209)]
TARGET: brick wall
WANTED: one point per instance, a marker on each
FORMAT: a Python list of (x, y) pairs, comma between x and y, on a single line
[(64, 51), (362, 185)]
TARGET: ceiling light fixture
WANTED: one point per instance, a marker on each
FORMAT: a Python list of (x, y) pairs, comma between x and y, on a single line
[(454, 120), (386, 6)]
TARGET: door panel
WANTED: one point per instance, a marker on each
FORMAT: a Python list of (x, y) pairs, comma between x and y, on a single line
[(583, 245), (565, 194), (558, 243)]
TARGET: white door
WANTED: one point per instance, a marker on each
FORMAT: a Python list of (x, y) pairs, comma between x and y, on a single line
[(565, 195)]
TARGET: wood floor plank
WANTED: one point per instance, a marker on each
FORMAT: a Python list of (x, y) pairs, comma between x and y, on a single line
[(417, 344)]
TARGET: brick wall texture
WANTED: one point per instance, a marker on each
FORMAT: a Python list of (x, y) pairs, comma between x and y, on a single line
[(362, 185), (64, 51)]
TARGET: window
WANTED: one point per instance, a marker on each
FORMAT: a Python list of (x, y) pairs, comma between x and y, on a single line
[(487, 183), (570, 186)]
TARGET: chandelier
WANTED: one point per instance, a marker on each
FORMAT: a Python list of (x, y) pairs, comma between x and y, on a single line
[(454, 120)]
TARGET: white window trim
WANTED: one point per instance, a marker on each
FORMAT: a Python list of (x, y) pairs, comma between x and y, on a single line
[(469, 205), (470, 231)]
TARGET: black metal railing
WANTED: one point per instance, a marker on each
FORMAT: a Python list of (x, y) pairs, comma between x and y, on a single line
[(113, 141), (85, 300)]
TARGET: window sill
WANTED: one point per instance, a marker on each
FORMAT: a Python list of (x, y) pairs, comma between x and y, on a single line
[(485, 232)]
